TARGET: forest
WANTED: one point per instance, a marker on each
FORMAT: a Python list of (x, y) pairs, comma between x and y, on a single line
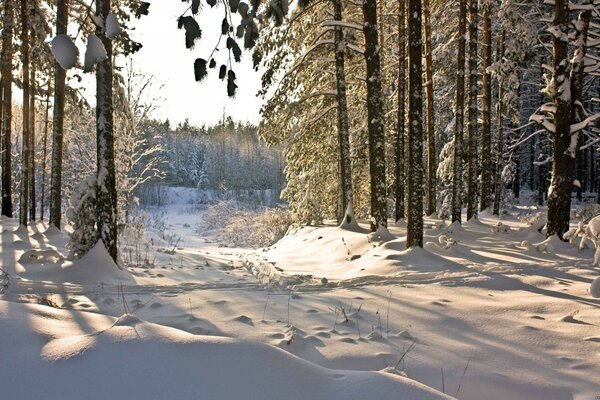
[(416, 213)]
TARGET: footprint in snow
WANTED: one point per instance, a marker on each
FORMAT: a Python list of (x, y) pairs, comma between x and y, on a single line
[(570, 319), (244, 320), (537, 317), (592, 339)]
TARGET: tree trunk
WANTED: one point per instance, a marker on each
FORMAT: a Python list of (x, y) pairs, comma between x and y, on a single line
[(32, 197), (58, 123), (561, 185), (400, 129), (472, 114), (415, 174), (106, 191), (343, 124), (459, 114), (500, 145), (24, 204), (7, 78), (431, 156), (375, 118), (45, 153), (486, 135)]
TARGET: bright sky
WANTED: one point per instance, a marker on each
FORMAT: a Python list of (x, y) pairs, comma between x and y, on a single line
[(164, 55)]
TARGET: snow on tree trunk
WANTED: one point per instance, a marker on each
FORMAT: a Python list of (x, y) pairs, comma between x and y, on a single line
[(106, 192), (459, 114), (58, 115), (486, 148), (45, 152), (24, 203), (375, 118), (7, 78), (431, 156), (561, 185), (401, 123), (500, 144), (343, 124), (415, 174), (472, 114)]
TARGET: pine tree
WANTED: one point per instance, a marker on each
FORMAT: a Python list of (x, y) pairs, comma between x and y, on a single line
[(24, 204), (399, 154), (7, 80), (431, 150), (415, 127), (472, 113), (486, 141), (58, 115), (375, 118), (459, 114), (106, 192), (500, 142)]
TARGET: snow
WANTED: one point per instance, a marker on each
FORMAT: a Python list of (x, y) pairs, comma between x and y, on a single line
[(291, 320), (113, 27), (94, 53), (64, 51)]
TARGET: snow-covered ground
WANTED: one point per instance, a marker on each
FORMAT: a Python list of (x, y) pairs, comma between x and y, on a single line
[(483, 312)]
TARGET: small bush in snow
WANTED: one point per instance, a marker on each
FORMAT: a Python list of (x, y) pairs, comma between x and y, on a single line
[(238, 226), (500, 228), (587, 211), (81, 215)]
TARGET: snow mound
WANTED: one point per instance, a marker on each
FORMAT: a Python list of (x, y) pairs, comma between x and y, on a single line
[(64, 51), (37, 256), (95, 266), (595, 288), (149, 361), (52, 230)]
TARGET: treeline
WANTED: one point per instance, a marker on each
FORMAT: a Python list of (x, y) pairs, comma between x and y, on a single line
[(226, 157), (397, 109)]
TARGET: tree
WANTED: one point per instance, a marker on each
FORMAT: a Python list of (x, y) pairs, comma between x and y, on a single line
[(472, 113), (401, 123), (7, 80), (486, 141), (106, 191), (430, 119), (62, 15), (25, 190), (459, 114), (375, 118), (415, 127)]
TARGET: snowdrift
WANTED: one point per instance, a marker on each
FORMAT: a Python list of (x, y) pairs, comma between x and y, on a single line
[(57, 354)]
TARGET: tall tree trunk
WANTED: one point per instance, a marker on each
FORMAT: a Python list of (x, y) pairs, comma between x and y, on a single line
[(415, 127), (561, 185), (472, 114), (45, 152), (343, 124), (431, 156), (58, 123), (32, 197), (7, 78), (375, 118), (106, 191), (459, 114), (401, 123), (500, 145), (486, 131), (24, 204)]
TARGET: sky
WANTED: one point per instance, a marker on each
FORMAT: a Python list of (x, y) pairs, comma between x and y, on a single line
[(165, 56)]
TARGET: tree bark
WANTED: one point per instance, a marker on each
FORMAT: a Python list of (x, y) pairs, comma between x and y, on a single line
[(472, 114), (486, 135), (500, 145), (343, 124), (7, 78), (431, 154), (106, 191), (45, 152), (459, 114), (415, 182), (401, 123), (561, 185), (375, 117), (58, 123), (32, 197), (26, 153)]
